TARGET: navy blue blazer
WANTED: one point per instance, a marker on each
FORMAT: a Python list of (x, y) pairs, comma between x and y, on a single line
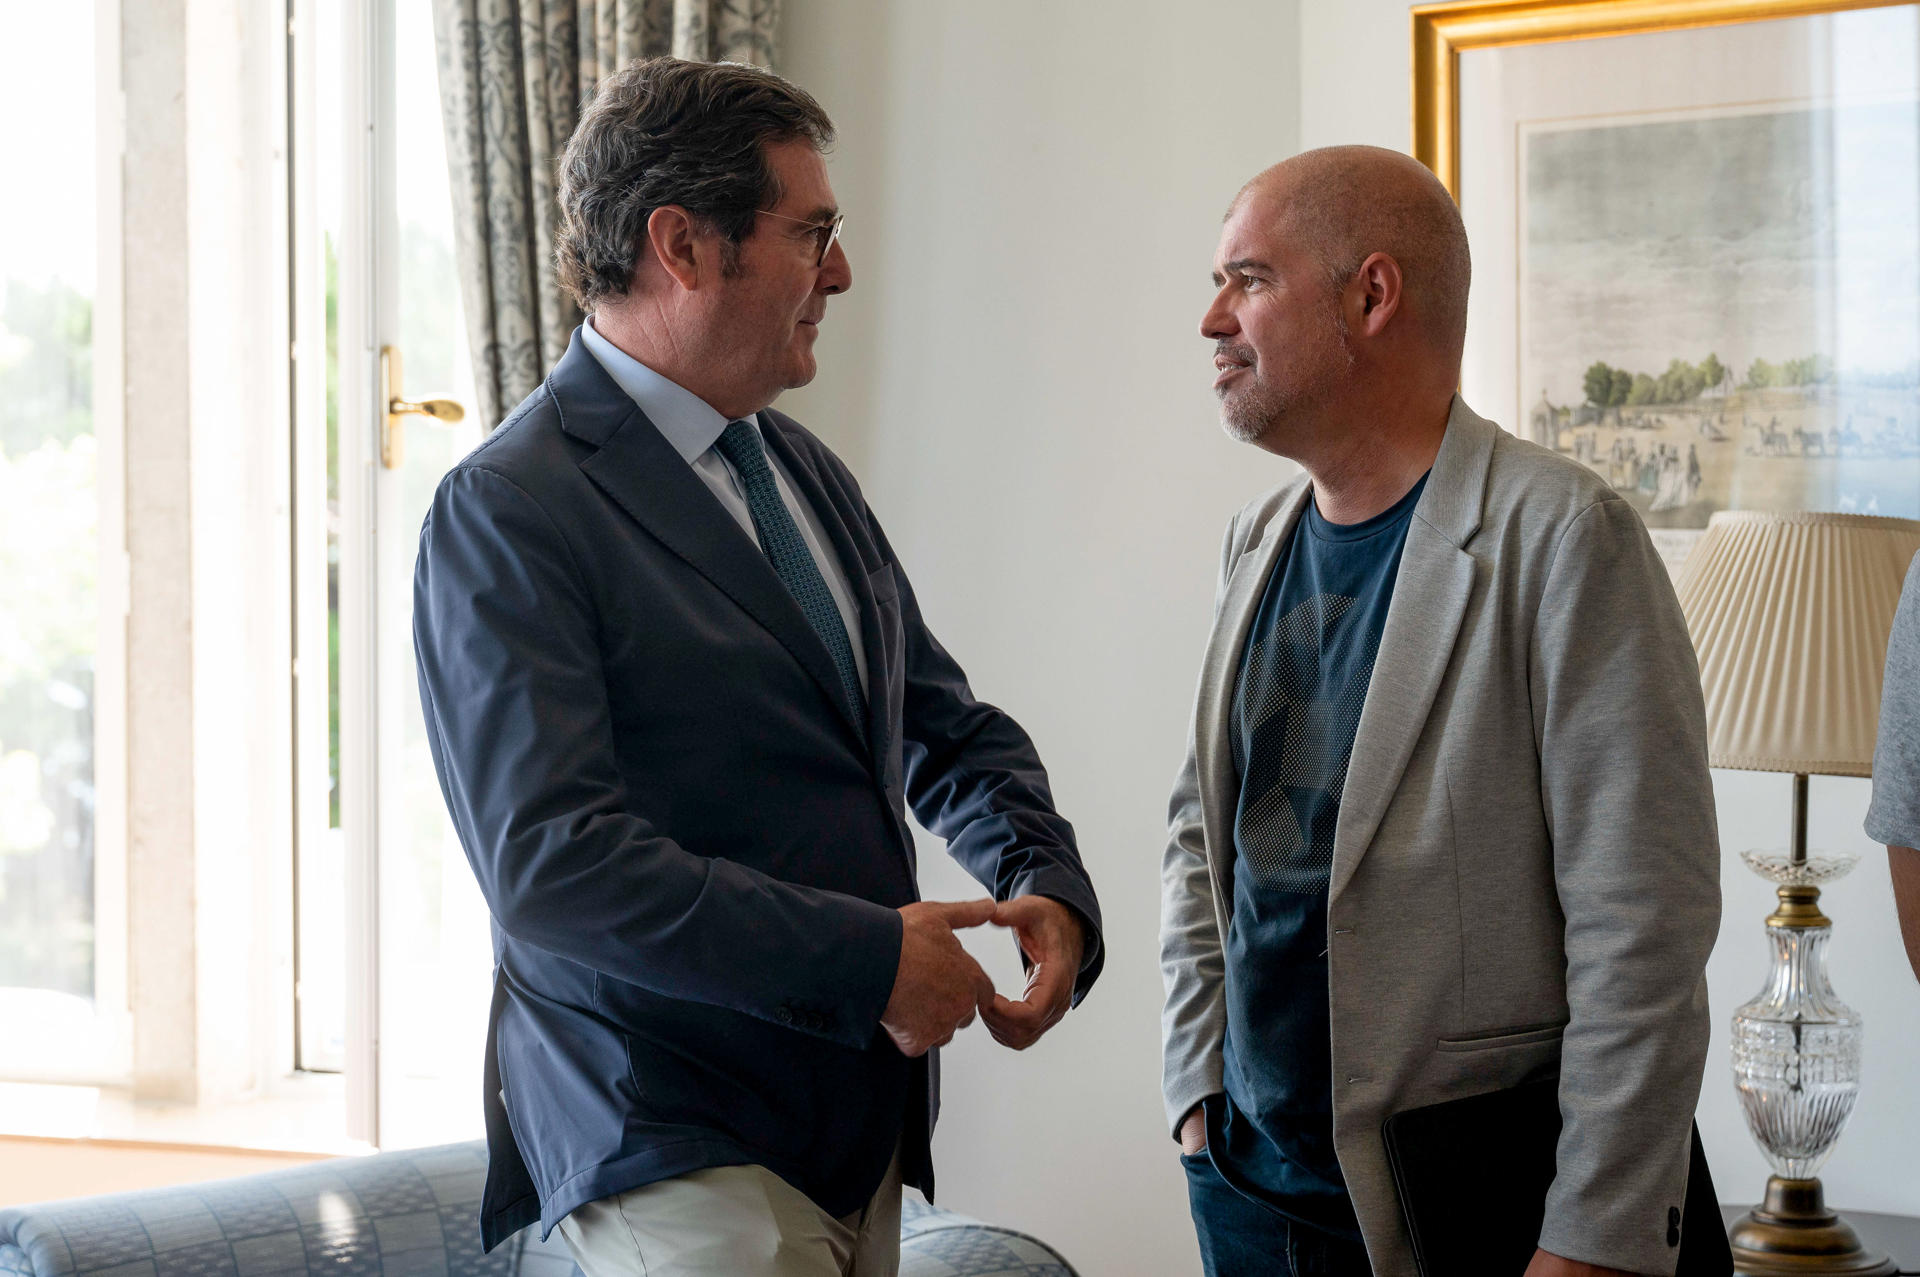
[(693, 862)]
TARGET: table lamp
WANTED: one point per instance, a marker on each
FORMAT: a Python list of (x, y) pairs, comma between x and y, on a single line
[(1789, 615)]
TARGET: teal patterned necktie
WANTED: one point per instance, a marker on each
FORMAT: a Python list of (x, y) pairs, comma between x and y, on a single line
[(740, 444)]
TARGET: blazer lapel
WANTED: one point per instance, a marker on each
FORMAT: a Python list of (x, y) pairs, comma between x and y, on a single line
[(1213, 751), (636, 467), (1430, 598)]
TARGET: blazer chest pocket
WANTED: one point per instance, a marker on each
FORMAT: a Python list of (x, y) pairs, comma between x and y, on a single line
[(1524, 1035)]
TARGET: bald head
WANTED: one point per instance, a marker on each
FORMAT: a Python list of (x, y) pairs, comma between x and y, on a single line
[(1342, 204), (1338, 317)]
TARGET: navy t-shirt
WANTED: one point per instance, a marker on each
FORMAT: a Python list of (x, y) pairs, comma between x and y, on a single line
[(1303, 680)]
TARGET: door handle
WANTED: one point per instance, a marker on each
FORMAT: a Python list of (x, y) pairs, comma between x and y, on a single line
[(393, 437)]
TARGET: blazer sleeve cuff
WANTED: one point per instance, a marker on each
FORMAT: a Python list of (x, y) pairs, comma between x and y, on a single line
[(1194, 1087), (1613, 1225), (1073, 891), (875, 935), (1645, 1252)]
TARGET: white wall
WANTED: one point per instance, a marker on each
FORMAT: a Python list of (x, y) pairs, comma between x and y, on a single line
[(1033, 195), (1355, 62), (1354, 88)]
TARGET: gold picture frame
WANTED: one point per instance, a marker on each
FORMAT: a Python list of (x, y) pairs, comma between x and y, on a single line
[(1442, 32), (1607, 262)]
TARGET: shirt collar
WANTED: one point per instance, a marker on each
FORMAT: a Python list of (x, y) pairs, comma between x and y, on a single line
[(687, 421)]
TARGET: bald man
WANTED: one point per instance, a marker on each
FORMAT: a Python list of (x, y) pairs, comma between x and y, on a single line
[(1445, 824)]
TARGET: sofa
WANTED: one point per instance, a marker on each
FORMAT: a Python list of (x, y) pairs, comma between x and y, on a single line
[(411, 1213)]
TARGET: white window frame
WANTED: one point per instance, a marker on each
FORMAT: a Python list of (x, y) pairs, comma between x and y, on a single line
[(366, 52), (110, 914)]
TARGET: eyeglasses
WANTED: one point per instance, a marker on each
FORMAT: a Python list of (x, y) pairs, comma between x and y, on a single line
[(824, 233)]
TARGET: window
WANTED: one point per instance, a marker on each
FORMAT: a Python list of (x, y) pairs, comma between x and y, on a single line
[(327, 977), (62, 928), (394, 951)]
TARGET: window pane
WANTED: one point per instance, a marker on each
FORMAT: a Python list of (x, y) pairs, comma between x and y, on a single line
[(322, 858), (435, 950), (48, 517)]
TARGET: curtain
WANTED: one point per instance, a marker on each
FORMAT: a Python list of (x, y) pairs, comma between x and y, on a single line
[(513, 77)]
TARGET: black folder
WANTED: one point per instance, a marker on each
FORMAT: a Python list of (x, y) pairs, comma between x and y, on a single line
[(1472, 1177)]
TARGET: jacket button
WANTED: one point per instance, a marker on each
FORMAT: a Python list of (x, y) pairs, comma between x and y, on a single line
[(1673, 1225), (785, 1015)]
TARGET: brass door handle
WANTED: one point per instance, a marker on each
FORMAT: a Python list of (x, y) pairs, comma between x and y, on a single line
[(393, 437)]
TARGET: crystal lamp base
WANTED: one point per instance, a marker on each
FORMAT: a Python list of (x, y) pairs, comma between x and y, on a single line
[(1796, 1068), (1793, 1234)]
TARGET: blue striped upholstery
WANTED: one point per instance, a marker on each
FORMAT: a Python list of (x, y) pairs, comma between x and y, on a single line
[(412, 1213)]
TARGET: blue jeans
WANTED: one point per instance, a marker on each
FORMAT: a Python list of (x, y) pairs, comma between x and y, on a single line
[(1240, 1237)]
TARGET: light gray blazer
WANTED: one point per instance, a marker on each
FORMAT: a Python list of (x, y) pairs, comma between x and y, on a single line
[(1526, 866)]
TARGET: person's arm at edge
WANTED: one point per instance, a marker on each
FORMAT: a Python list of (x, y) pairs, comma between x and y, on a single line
[(1903, 864), (1893, 817), (1621, 727)]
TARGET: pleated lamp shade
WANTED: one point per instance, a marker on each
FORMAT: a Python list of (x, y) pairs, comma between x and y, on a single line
[(1789, 615)]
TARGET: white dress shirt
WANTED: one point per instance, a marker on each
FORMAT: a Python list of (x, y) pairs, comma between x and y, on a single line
[(693, 426)]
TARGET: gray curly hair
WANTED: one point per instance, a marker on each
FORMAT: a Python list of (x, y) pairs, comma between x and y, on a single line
[(669, 131)]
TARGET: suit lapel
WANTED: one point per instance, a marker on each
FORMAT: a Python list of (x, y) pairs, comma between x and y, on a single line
[(639, 470), (1430, 597), (1246, 585)]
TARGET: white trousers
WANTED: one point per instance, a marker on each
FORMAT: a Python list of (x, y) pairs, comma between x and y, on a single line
[(734, 1221)]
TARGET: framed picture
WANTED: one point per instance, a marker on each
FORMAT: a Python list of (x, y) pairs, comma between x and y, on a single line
[(1696, 241)]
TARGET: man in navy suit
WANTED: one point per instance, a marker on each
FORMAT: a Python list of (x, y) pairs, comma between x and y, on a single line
[(680, 696)]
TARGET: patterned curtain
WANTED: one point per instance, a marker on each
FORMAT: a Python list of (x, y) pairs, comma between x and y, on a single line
[(513, 77)]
